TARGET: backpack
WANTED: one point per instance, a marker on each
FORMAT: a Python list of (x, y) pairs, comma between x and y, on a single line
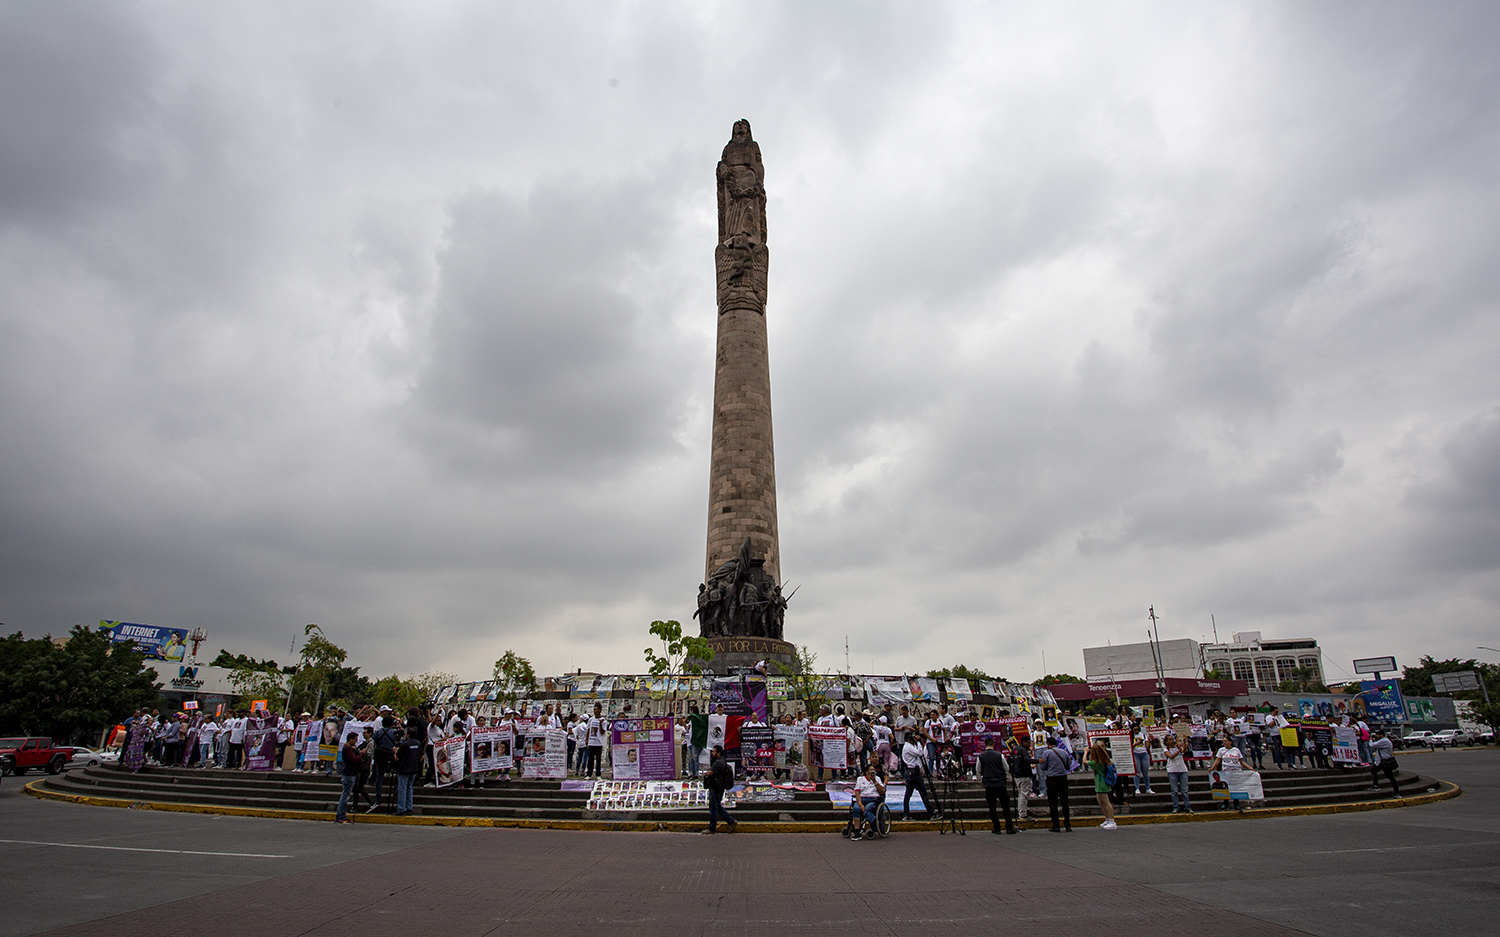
[(1111, 775)]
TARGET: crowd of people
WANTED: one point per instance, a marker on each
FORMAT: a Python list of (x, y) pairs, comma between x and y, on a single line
[(894, 741)]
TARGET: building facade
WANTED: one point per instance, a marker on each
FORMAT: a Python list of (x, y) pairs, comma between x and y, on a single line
[(1179, 659), (1263, 664)]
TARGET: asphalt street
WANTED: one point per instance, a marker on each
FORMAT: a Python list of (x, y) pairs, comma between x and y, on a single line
[(95, 870)]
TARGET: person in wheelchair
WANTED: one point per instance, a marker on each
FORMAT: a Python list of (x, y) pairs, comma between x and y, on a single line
[(869, 794)]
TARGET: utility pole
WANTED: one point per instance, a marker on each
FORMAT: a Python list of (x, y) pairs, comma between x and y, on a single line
[(1161, 676)]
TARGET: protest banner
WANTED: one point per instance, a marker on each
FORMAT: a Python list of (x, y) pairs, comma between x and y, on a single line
[(260, 744), (1229, 784), (312, 732), (924, 689), (972, 736), (190, 705), (448, 760), (546, 754), (882, 690), (489, 750), (328, 740), (1346, 745), (828, 747), (1118, 742), (1156, 737), (791, 747), (642, 749), (757, 752), (1317, 737), (959, 693)]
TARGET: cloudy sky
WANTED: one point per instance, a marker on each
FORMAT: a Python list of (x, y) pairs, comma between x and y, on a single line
[(399, 318)]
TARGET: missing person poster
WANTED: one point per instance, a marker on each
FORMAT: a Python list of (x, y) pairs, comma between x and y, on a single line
[(757, 752), (260, 744), (489, 749), (829, 747), (1118, 742), (546, 754), (791, 746), (448, 760)]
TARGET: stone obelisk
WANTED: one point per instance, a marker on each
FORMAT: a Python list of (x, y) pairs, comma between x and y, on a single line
[(740, 606)]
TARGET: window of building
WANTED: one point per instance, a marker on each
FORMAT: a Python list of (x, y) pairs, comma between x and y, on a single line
[(1222, 666), (1265, 673), (1311, 663), (1286, 668), (1242, 670)]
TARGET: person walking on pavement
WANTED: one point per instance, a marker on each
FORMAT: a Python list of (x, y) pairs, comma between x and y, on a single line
[(992, 776), (718, 778), (1054, 766), (1383, 758)]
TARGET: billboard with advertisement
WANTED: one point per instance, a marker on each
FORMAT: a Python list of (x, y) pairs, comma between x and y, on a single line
[(157, 642), (1383, 700)]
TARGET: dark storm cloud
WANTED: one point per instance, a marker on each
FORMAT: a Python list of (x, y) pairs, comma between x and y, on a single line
[(400, 319)]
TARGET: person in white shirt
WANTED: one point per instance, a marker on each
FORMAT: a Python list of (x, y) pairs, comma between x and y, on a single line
[(284, 729), (913, 763), (1177, 774), (869, 792), (236, 728), (883, 738), (206, 733), (904, 723), (598, 728)]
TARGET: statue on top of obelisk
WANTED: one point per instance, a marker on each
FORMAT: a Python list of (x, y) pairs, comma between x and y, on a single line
[(740, 597)]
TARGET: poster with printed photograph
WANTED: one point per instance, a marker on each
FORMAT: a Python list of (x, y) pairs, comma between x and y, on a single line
[(828, 747), (448, 760), (260, 744), (1120, 752), (757, 752), (489, 749), (790, 746), (643, 749)]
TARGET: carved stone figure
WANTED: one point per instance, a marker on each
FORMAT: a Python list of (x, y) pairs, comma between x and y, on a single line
[(741, 599), (742, 191)]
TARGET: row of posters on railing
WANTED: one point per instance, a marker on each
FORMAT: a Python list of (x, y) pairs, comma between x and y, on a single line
[(875, 691)]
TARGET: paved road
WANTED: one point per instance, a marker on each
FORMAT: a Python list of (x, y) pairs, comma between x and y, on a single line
[(1398, 871)]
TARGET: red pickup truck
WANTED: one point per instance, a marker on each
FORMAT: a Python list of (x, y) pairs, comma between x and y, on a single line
[(19, 755)]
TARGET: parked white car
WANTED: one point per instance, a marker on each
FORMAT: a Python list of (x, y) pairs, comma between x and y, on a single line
[(1422, 738), (1453, 737)]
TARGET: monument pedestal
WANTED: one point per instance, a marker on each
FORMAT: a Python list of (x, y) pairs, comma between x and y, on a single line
[(745, 652)]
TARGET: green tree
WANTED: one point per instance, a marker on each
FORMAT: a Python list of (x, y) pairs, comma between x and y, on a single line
[(1417, 681), (321, 658), (515, 675), (402, 694), (1052, 678), (244, 662), (961, 672), (680, 653), (252, 683), (73, 689)]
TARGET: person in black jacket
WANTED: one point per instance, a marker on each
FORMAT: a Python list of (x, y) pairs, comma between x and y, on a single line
[(386, 737), (718, 778), (1021, 765), (408, 765), (992, 776)]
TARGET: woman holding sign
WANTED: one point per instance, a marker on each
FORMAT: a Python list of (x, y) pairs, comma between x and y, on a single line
[(1102, 763)]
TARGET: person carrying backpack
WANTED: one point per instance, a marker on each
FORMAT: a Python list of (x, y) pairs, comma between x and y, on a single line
[(386, 737), (1105, 777), (718, 778), (408, 756)]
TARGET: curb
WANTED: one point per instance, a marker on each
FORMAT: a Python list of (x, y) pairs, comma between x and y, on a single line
[(1446, 791)]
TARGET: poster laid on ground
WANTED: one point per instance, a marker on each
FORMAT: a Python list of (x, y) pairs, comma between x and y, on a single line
[(1346, 745), (635, 795), (757, 752), (546, 754), (1118, 741), (448, 760), (642, 749), (489, 749), (828, 747), (260, 744)]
